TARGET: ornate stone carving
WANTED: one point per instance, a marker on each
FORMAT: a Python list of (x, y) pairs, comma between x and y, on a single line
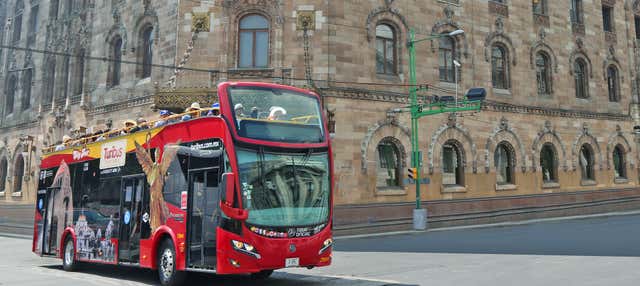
[(504, 133), (449, 25), (499, 36), (547, 135), (389, 121), (541, 45), (457, 133), (617, 138), (501, 9), (387, 13), (580, 52), (585, 137)]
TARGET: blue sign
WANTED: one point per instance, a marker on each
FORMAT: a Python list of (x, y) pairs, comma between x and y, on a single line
[(423, 181), (127, 217), (40, 204)]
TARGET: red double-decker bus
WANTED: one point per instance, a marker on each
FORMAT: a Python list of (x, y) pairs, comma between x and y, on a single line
[(246, 188)]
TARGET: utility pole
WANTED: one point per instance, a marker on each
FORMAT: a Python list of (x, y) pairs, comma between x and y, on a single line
[(471, 102)]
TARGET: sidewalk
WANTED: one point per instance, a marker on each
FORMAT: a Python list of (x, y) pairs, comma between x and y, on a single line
[(16, 219)]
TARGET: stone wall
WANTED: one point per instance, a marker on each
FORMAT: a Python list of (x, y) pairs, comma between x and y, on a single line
[(338, 52)]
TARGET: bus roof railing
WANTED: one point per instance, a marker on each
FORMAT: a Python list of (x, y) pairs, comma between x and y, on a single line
[(100, 136)]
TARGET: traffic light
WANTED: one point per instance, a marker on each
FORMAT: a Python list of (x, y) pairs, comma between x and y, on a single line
[(413, 173)]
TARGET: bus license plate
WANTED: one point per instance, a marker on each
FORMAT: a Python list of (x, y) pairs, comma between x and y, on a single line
[(292, 262)]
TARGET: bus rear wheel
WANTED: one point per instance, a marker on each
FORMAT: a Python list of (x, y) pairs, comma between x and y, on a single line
[(262, 275), (69, 262), (167, 272)]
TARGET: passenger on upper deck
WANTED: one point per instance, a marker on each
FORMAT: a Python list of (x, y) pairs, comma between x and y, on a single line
[(215, 111), (239, 109), (66, 140), (128, 126), (164, 120), (192, 114), (277, 113)]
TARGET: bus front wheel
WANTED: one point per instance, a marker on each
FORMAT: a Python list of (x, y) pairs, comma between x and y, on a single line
[(167, 272), (69, 258)]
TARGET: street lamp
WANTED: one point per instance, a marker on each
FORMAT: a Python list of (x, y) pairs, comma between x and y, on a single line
[(420, 214), (456, 65)]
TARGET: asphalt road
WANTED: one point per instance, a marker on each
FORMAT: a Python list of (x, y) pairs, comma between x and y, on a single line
[(601, 251), (603, 236)]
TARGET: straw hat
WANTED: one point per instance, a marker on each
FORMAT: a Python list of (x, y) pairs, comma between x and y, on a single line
[(194, 106), (129, 122), (66, 138)]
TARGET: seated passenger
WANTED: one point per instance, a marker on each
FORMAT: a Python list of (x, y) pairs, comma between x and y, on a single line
[(192, 112), (141, 124), (128, 125), (66, 140), (254, 112), (164, 120), (215, 111), (239, 109), (277, 113)]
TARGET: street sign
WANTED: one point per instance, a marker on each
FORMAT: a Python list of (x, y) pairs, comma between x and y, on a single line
[(424, 181)]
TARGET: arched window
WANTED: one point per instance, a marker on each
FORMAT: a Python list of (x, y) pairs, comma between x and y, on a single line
[(3, 174), (452, 166), (619, 163), (580, 78), (253, 44), (548, 163), (146, 51), (503, 158), (540, 7), (543, 73), (11, 86), (446, 53), (78, 73), (586, 162), (389, 165), (385, 49), (499, 66), (613, 86), (17, 22), (116, 58), (18, 174), (27, 79)]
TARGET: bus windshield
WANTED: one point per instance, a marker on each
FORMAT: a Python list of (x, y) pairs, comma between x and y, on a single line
[(284, 189), (275, 114)]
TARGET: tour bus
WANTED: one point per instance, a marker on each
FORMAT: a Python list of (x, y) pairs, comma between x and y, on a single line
[(226, 191)]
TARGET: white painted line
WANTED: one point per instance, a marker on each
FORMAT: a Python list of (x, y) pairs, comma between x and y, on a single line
[(501, 224), (356, 278)]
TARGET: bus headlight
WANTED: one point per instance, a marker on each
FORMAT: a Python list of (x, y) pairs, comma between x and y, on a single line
[(326, 245), (245, 248)]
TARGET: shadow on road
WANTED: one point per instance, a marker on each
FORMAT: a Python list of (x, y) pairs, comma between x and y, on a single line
[(609, 236), (149, 277)]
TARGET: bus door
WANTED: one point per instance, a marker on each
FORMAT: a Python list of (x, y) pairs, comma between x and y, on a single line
[(133, 198), (50, 227), (203, 216)]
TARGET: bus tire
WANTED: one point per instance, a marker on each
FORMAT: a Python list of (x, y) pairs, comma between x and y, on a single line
[(167, 272), (262, 275), (69, 262)]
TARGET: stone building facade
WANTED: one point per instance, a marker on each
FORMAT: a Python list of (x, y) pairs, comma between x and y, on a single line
[(556, 128)]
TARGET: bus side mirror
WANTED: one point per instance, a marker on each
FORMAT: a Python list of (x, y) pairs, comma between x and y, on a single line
[(228, 196), (227, 186)]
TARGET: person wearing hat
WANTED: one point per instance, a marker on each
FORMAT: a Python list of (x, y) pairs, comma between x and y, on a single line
[(216, 109), (277, 113), (239, 109), (254, 112), (66, 140), (128, 125), (164, 118), (141, 124), (191, 112)]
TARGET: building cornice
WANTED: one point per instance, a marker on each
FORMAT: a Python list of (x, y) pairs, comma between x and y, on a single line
[(489, 105)]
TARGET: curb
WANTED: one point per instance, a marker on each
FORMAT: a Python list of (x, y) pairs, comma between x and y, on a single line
[(491, 225)]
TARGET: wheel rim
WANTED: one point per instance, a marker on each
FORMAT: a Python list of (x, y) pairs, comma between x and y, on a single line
[(68, 253), (166, 264)]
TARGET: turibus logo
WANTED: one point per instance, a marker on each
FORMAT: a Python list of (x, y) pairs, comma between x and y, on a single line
[(113, 154)]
